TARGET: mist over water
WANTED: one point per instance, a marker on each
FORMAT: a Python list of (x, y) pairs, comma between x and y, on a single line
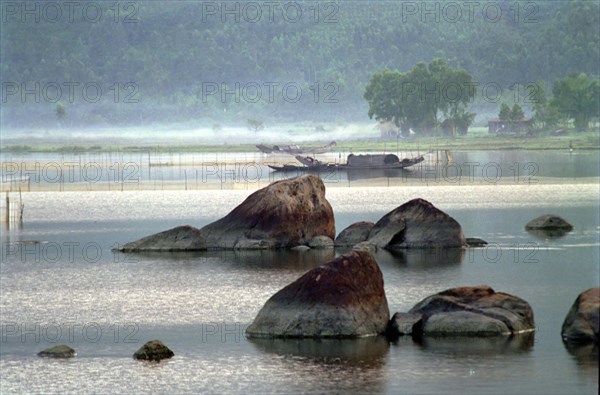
[(278, 133)]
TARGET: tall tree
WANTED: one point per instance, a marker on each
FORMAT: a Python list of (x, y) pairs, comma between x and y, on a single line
[(577, 97), (516, 113), (505, 113), (413, 100)]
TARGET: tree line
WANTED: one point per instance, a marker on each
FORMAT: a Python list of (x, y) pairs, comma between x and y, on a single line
[(435, 99), (173, 49)]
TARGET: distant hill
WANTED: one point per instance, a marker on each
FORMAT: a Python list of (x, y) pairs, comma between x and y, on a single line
[(159, 61)]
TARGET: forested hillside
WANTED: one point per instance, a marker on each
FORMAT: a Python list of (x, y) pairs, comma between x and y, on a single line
[(161, 61)]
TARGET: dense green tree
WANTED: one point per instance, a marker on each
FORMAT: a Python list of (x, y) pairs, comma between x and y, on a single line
[(516, 112), (577, 97), (414, 99), (505, 112)]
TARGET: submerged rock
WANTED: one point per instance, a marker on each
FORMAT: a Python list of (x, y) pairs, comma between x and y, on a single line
[(60, 351), (417, 224), (549, 222), (472, 311), (354, 234), (153, 350), (284, 214), (582, 323), (341, 298)]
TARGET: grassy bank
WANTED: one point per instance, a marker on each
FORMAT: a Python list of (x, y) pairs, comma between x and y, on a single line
[(476, 141)]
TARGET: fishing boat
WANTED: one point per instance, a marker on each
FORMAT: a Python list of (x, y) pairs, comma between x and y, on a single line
[(295, 149), (353, 162)]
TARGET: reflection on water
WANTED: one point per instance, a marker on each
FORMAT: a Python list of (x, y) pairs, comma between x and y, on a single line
[(480, 346), (427, 257), (586, 355), (368, 351), (253, 260), (123, 171), (544, 234)]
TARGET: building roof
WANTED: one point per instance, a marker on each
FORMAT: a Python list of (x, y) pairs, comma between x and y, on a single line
[(496, 120)]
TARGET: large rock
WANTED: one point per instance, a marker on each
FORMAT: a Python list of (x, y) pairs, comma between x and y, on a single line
[(284, 214), (582, 323), (341, 298), (469, 311), (154, 350), (287, 213), (354, 234), (60, 351), (417, 224)]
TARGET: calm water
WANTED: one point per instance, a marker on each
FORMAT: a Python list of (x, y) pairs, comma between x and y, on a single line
[(105, 171), (71, 288)]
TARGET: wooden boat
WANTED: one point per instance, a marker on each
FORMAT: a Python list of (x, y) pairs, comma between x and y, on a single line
[(295, 149), (354, 162)]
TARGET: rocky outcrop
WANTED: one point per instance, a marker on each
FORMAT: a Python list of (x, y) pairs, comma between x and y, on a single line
[(549, 222), (181, 238), (341, 298), (417, 224), (582, 323), (466, 311), (284, 214), (354, 234), (60, 351), (153, 350)]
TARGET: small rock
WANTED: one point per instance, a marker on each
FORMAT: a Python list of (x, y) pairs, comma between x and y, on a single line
[(549, 222), (475, 242), (320, 242), (582, 323), (60, 351), (354, 234), (365, 246), (402, 324), (153, 350)]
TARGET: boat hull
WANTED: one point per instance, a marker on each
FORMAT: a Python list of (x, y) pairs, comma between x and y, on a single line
[(329, 167)]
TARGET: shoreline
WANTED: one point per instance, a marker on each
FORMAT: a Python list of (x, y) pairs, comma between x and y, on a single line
[(476, 141), (215, 185)]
